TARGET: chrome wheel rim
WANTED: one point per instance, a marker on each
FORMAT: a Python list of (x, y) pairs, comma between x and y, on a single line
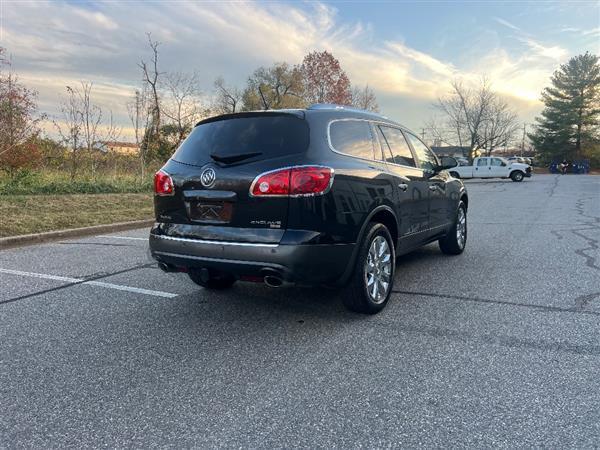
[(378, 269), (461, 228)]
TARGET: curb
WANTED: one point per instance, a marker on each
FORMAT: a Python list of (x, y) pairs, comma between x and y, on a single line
[(49, 236)]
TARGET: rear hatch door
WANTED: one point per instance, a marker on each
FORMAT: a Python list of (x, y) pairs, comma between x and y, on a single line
[(214, 168)]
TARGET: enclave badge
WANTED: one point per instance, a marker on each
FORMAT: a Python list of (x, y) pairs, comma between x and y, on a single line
[(208, 177)]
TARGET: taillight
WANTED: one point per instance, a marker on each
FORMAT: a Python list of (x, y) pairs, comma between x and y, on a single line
[(163, 183), (300, 181)]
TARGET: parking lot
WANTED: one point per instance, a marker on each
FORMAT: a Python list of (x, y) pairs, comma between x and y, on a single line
[(499, 346)]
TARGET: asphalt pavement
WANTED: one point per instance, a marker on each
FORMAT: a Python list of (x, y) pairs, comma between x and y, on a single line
[(499, 346)]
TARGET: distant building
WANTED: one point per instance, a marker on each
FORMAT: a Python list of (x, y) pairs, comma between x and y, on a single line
[(121, 148), (452, 150)]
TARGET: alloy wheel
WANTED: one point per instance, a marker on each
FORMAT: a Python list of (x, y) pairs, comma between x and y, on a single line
[(461, 228), (378, 269)]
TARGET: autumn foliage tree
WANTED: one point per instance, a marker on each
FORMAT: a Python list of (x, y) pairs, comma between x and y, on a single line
[(324, 80), (276, 87), (18, 123)]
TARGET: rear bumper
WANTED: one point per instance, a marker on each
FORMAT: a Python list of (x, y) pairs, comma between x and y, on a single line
[(298, 263)]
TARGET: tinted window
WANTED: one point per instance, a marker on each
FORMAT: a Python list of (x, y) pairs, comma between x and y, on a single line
[(427, 160), (496, 162), (482, 162), (269, 136), (400, 151), (352, 137)]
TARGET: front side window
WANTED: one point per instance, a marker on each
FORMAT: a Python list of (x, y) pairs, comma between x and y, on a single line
[(427, 160), (352, 137), (497, 162), (399, 149)]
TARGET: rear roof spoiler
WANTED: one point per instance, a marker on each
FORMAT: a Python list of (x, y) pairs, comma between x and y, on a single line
[(299, 113)]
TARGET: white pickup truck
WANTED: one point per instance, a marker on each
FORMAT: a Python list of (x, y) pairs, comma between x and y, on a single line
[(492, 167)]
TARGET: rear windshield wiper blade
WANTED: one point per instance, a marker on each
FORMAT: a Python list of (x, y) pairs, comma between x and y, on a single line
[(229, 159)]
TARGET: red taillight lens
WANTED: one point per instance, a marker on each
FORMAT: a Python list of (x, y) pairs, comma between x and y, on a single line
[(310, 180), (300, 181), (271, 183), (163, 183)]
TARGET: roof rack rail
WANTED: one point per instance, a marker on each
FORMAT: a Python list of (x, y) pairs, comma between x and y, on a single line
[(318, 106)]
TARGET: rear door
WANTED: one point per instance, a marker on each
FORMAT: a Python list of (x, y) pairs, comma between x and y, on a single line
[(215, 166), (482, 168), (410, 184)]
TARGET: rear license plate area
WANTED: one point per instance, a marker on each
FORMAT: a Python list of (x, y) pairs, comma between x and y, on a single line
[(209, 212)]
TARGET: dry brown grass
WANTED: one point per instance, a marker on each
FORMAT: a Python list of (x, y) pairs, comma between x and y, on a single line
[(25, 214)]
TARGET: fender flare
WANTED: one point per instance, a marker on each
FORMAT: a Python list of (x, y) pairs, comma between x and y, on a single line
[(363, 229)]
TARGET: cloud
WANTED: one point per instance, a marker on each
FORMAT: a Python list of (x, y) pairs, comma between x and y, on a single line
[(506, 23), (58, 43), (554, 52)]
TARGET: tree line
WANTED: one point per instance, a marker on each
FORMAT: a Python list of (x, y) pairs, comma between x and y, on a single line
[(166, 105), (162, 110)]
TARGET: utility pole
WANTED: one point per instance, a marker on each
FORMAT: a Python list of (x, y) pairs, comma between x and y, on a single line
[(523, 141), (423, 134)]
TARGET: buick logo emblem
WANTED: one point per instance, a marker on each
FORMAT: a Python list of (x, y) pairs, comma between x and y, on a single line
[(208, 177)]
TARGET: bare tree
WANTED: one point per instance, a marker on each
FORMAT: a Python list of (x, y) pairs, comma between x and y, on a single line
[(475, 117), (364, 98), (83, 126), (151, 76), (500, 127), (227, 98), (69, 127), (139, 114), (183, 103)]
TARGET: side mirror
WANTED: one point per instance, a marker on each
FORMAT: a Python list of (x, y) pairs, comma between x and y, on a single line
[(447, 162)]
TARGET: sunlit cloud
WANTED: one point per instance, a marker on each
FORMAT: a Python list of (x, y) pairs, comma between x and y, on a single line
[(57, 44)]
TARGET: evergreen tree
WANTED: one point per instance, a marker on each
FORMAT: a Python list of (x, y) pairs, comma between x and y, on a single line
[(569, 125)]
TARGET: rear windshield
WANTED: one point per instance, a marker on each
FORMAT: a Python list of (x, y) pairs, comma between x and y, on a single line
[(263, 137)]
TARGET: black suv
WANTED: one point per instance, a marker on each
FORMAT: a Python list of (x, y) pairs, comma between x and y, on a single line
[(326, 196)]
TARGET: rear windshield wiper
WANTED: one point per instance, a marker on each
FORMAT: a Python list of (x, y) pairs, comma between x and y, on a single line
[(230, 159)]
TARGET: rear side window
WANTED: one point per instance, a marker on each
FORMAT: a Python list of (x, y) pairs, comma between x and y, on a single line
[(482, 162), (266, 136), (352, 137), (400, 151)]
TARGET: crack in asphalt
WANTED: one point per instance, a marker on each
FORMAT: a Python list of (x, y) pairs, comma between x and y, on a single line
[(583, 300), (64, 286), (545, 308), (503, 340)]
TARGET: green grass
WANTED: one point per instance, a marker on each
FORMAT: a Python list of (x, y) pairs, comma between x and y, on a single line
[(37, 183), (25, 214)]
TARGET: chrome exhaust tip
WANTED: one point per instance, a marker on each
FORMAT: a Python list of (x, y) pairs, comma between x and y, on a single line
[(167, 267), (273, 281)]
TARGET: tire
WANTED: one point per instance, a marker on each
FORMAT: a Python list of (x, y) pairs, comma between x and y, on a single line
[(372, 272), (517, 176), (455, 241), (215, 280), (455, 175)]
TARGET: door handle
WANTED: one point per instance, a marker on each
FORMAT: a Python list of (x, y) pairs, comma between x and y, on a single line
[(403, 186)]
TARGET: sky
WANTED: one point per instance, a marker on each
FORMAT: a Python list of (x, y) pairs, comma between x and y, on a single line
[(407, 51)]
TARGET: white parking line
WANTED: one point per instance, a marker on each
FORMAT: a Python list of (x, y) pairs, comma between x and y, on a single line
[(118, 287), (123, 237)]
